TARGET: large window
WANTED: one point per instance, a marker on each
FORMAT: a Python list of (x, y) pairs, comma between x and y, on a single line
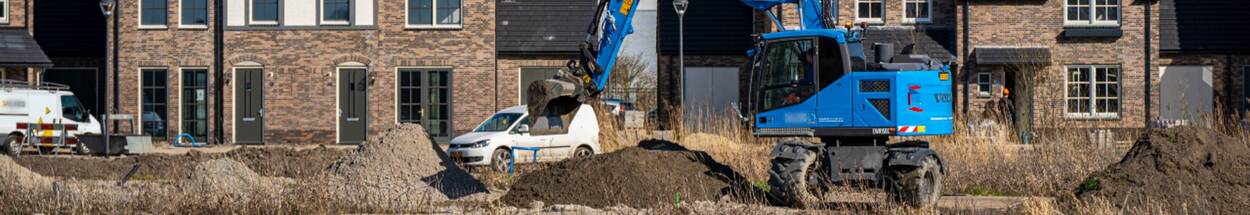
[(869, 11), (264, 12), (788, 73), (984, 86), (195, 103), (336, 12), (1093, 91), (194, 14), (916, 11), (425, 98), (155, 104), (4, 11), (434, 13), (153, 13), (1092, 13)]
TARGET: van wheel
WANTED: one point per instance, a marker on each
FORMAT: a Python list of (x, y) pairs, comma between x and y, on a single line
[(11, 146), (499, 160), (583, 152), (46, 150)]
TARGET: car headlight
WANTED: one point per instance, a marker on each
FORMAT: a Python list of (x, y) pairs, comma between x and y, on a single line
[(478, 144)]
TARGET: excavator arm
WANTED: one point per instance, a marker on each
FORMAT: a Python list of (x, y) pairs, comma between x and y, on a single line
[(552, 102)]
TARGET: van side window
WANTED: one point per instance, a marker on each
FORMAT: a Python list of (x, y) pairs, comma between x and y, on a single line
[(73, 110)]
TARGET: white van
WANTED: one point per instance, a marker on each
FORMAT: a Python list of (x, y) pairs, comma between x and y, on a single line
[(24, 108), (491, 143)]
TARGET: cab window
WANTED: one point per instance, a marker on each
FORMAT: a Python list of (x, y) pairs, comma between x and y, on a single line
[(72, 109), (788, 73)]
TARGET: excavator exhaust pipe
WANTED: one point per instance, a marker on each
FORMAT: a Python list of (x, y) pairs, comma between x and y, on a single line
[(552, 105)]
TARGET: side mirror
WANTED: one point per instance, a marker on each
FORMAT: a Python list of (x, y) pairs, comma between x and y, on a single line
[(523, 128)]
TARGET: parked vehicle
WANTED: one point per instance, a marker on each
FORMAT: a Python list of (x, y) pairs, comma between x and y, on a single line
[(25, 108), (153, 124), (616, 106), (491, 143)]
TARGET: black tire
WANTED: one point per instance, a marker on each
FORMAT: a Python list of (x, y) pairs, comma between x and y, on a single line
[(917, 187), (583, 152), (11, 146), (788, 182), (499, 160), (47, 150)]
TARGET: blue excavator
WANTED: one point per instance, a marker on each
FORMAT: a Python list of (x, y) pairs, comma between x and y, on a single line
[(834, 110)]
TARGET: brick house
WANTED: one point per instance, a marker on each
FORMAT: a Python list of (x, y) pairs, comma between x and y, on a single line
[(1202, 42), (536, 39), (305, 71), (21, 58)]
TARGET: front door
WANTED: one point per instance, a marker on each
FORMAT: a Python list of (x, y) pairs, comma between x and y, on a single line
[(425, 99), (249, 106), (352, 105), (1185, 93)]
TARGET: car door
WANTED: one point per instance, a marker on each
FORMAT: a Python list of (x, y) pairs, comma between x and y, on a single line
[(524, 139)]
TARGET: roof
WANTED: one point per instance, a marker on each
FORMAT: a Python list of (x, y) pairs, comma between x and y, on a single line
[(542, 26), (1011, 55), (937, 43), (712, 27), (836, 34), (20, 50), (1208, 26)]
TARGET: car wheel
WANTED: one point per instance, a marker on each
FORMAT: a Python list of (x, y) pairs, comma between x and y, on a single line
[(583, 152), (500, 159), (11, 146)]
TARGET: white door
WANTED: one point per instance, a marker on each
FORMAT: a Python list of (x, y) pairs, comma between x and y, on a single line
[(1185, 93), (709, 92)]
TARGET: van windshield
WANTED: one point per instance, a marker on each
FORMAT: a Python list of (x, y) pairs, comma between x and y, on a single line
[(72, 109), (498, 122)]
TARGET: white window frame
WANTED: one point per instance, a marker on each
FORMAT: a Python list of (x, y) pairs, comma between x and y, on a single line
[(985, 79), (401, 69), (321, 15), (181, 100), (1093, 93), (1093, 19), (878, 20), (140, 19), (4, 6), (928, 8), (182, 25), (139, 99), (251, 19), (434, 18)]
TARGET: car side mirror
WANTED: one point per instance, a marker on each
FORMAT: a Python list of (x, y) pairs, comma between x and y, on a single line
[(523, 128)]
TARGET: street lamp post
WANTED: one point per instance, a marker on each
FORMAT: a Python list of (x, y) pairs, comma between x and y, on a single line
[(680, 6), (106, 7)]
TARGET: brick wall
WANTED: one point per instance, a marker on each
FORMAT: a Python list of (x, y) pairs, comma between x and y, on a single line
[(943, 13), (19, 13), (1227, 75), (170, 48)]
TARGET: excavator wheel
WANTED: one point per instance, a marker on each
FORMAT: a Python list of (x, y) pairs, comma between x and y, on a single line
[(789, 184), (916, 186)]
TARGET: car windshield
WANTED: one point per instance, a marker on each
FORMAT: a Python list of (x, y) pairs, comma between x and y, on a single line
[(498, 122)]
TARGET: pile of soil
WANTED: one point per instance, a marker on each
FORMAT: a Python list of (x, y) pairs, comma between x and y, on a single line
[(233, 180), (267, 161), (16, 177), (400, 168), (1188, 170), (654, 173)]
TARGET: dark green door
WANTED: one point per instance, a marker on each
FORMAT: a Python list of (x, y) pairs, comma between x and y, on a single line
[(249, 109), (352, 105), (425, 99)]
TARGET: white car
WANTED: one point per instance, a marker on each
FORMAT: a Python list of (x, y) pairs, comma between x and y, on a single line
[(491, 143), (48, 105)]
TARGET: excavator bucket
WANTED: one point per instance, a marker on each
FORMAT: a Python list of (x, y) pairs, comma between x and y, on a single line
[(552, 105)]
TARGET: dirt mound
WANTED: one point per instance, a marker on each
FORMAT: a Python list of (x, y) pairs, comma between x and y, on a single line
[(16, 177), (266, 161), (401, 168), (233, 180), (654, 173), (1189, 170)]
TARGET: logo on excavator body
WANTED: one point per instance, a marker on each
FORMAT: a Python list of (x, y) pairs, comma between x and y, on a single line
[(625, 6), (912, 91)]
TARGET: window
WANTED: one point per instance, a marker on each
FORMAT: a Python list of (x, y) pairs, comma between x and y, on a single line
[(4, 11), (1093, 92), (984, 86), (264, 12), (336, 12), (434, 13), (499, 122), (72, 109), (425, 98), (531, 75), (194, 14), (869, 11), (153, 13), (155, 101), (916, 11), (787, 74), (195, 103), (1092, 13)]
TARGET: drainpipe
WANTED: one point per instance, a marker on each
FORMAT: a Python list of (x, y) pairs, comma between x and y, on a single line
[(1148, 65), (966, 65), (117, 13), (219, 84)]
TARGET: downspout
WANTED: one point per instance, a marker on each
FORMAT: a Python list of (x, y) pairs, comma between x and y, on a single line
[(966, 62), (219, 84), (1148, 65), (116, 14)]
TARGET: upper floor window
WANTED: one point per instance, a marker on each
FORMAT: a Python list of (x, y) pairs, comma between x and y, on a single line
[(434, 13), (153, 13), (916, 11), (194, 14), (1092, 13), (264, 12), (4, 11), (336, 12), (869, 11), (1093, 91)]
